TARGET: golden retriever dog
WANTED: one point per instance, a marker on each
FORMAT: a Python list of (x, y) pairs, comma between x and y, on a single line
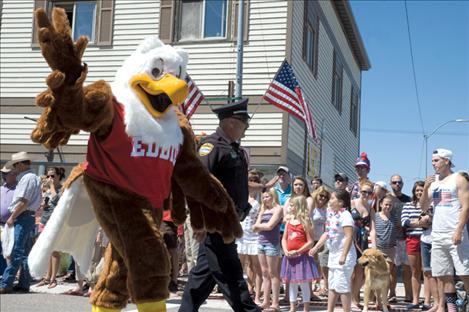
[(377, 277)]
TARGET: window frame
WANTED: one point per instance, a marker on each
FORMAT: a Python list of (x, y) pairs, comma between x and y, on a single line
[(311, 22), (170, 33), (202, 24), (103, 20), (337, 72)]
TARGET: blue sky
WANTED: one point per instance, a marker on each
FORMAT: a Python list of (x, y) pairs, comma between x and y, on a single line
[(391, 131)]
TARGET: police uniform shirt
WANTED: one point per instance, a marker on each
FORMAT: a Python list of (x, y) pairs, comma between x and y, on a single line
[(226, 161)]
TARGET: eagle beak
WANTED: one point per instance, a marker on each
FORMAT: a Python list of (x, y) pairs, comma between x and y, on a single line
[(158, 95)]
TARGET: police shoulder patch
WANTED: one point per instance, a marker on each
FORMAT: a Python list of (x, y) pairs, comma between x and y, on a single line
[(205, 149)]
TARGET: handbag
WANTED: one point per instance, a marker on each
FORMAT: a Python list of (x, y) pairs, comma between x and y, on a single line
[(8, 240)]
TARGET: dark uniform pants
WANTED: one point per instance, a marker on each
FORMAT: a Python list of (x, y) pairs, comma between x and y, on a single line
[(217, 263)]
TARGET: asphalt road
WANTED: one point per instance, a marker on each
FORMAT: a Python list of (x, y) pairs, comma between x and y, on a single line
[(42, 299)]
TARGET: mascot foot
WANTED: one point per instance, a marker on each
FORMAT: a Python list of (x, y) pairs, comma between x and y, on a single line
[(103, 309), (154, 306)]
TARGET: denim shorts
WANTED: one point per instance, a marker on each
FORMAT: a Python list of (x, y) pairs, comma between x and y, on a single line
[(269, 249), (426, 253)]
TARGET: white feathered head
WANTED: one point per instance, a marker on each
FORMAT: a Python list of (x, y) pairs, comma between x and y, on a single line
[(151, 84)]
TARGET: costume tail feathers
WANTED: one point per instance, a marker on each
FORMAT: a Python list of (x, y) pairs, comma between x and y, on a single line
[(72, 228)]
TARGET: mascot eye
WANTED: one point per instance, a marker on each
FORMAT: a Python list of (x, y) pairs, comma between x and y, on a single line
[(156, 72)]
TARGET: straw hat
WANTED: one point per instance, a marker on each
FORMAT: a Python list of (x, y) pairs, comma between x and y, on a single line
[(16, 158)]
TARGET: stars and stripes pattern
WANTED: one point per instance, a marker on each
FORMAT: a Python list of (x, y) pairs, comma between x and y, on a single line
[(285, 93), (193, 100)]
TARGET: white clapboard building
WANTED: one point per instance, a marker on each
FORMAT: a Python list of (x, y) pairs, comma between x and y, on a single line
[(320, 39)]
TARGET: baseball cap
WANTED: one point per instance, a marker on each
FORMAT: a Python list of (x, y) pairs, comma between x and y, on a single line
[(444, 153), (341, 176), (363, 160), (284, 168), (382, 184)]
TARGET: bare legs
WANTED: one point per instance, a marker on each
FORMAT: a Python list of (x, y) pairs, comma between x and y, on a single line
[(345, 298), (253, 270), (416, 269), (270, 280), (358, 278)]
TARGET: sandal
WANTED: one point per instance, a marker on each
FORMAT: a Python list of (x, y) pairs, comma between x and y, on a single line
[(392, 299), (43, 282), (52, 284)]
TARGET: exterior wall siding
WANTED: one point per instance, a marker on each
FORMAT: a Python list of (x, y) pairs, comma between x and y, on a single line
[(23, 70), (338, 141)]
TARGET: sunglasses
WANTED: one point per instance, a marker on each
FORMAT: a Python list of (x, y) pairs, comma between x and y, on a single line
[(396, 182), (51, 176), (366, 192), (339, 180), (323, 196)]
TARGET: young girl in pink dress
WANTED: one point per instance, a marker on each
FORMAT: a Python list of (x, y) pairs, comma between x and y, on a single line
[(298, 268)]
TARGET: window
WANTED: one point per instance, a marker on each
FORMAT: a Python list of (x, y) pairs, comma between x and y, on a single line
[(202, 19), (354, 111), (337, 83), (93, 19), (193, 20), (81, 16), (310, 37)]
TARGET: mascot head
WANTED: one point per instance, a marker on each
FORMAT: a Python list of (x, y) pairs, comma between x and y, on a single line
[(151, 85)]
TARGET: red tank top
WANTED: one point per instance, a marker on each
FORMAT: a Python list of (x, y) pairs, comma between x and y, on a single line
[(296, 236), (127, 163)]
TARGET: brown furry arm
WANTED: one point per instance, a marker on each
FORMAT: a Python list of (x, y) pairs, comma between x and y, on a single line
[(178, 212), (69, 107), (211, 208), (193, 178)]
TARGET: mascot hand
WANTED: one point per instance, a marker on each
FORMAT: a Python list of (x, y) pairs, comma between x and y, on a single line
[(69, 107), (57, 47)]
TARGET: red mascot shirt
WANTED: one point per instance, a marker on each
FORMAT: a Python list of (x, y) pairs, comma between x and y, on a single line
[(127, 163)]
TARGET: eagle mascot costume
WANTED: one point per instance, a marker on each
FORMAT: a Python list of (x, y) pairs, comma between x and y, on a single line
[(141, 152)]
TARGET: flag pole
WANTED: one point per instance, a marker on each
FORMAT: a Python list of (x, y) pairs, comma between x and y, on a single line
[(239, 48), (305, 152)]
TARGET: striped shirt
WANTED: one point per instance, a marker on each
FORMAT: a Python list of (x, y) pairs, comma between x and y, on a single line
[(386, 231), (411, 212)]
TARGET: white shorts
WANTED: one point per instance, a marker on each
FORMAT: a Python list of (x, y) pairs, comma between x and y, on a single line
[(447, 257), (401, 253), (340, 279)]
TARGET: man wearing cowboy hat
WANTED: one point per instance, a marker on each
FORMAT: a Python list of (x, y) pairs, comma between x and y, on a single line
[(26, 200), (6, 197)]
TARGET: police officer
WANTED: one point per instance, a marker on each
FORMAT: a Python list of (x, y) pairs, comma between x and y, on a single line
[(217, 262)]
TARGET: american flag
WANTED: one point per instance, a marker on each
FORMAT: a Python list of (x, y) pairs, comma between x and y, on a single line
[(285, 93), (193, 100)]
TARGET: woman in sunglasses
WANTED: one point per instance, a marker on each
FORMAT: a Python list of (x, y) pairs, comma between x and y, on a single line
[(50, 200), (363, 216), (319, 217)]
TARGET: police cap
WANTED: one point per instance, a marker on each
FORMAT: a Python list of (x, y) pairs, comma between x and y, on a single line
[(237, 109)]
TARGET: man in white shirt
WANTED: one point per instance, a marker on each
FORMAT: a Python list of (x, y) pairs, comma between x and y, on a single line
[(26, 200), (449, 194)]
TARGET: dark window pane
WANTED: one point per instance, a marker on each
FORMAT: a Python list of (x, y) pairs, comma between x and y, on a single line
[(215, 18), (309, 47), (84, 20)]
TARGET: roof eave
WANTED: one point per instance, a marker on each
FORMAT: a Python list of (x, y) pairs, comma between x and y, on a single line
[(350, 28)]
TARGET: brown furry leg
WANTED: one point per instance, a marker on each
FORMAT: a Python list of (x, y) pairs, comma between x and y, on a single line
[(132, 226), (111, 289)]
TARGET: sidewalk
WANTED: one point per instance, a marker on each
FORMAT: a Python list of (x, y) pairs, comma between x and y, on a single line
[(216, 302)]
